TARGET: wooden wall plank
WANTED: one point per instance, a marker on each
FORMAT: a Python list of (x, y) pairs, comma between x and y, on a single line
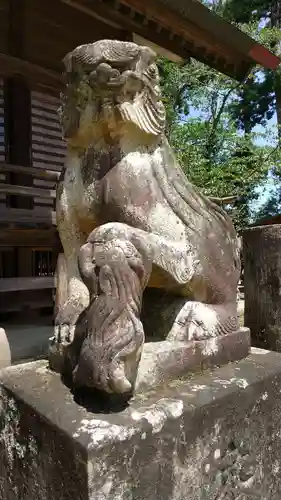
[(52, 29), (19, 135), (22, 216), (2, 138), (27, 191), (27, 238), (27, 283), (17, 107), (32, 171), (4, 25), (48, 150), (26, 301), (33, 73)]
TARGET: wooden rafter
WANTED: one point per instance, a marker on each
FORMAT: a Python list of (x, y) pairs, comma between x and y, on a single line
[(186, 28)]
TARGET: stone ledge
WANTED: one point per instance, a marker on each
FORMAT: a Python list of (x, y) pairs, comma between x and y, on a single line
[(169, 360), (214, 436), (164, 361)]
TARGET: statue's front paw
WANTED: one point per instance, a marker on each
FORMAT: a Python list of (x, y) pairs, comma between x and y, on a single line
[(65, 323)]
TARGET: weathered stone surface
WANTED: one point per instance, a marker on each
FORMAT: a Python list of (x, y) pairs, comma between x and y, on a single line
[(5, 351), (164, 361), (215, 436), (128, 219), (262, 284)]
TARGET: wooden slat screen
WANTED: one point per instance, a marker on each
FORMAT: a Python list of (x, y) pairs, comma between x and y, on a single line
[(48, 147), (2, 138)]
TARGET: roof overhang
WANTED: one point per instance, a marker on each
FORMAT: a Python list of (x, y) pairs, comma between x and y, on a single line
[(184, 28)]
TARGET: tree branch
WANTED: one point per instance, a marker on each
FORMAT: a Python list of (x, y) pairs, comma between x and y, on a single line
[(223, 201), (221, 110)]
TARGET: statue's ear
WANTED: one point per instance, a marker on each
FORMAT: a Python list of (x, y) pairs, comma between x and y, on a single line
[(146, 110)]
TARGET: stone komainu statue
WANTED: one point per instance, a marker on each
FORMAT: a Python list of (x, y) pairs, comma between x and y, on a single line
[(128, 219)]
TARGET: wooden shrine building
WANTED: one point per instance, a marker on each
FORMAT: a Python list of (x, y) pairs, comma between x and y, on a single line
[(34, 37)]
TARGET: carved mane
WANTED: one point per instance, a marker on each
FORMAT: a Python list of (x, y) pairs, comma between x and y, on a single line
[(187, 195)]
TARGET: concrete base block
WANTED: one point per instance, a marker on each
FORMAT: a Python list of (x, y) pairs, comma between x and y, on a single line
[(214, 436)]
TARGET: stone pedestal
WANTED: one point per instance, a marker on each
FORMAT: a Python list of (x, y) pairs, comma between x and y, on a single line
[(262, 283), (164, 361), (213, 436)]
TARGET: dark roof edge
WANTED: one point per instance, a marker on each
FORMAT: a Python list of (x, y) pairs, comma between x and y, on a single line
[(223, 31)]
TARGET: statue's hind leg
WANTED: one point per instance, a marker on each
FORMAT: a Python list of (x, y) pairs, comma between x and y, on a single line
[(198, 321)]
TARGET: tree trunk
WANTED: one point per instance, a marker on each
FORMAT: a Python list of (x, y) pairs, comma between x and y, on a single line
[(262, 285)]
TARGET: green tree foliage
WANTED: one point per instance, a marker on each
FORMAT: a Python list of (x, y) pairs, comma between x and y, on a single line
[(255, 103), (270, 208), (260, 98), (211, 119), (203, 132), (244, 11)]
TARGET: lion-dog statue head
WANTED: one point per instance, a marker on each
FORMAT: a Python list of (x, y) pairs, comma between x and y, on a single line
[(109, 83)]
